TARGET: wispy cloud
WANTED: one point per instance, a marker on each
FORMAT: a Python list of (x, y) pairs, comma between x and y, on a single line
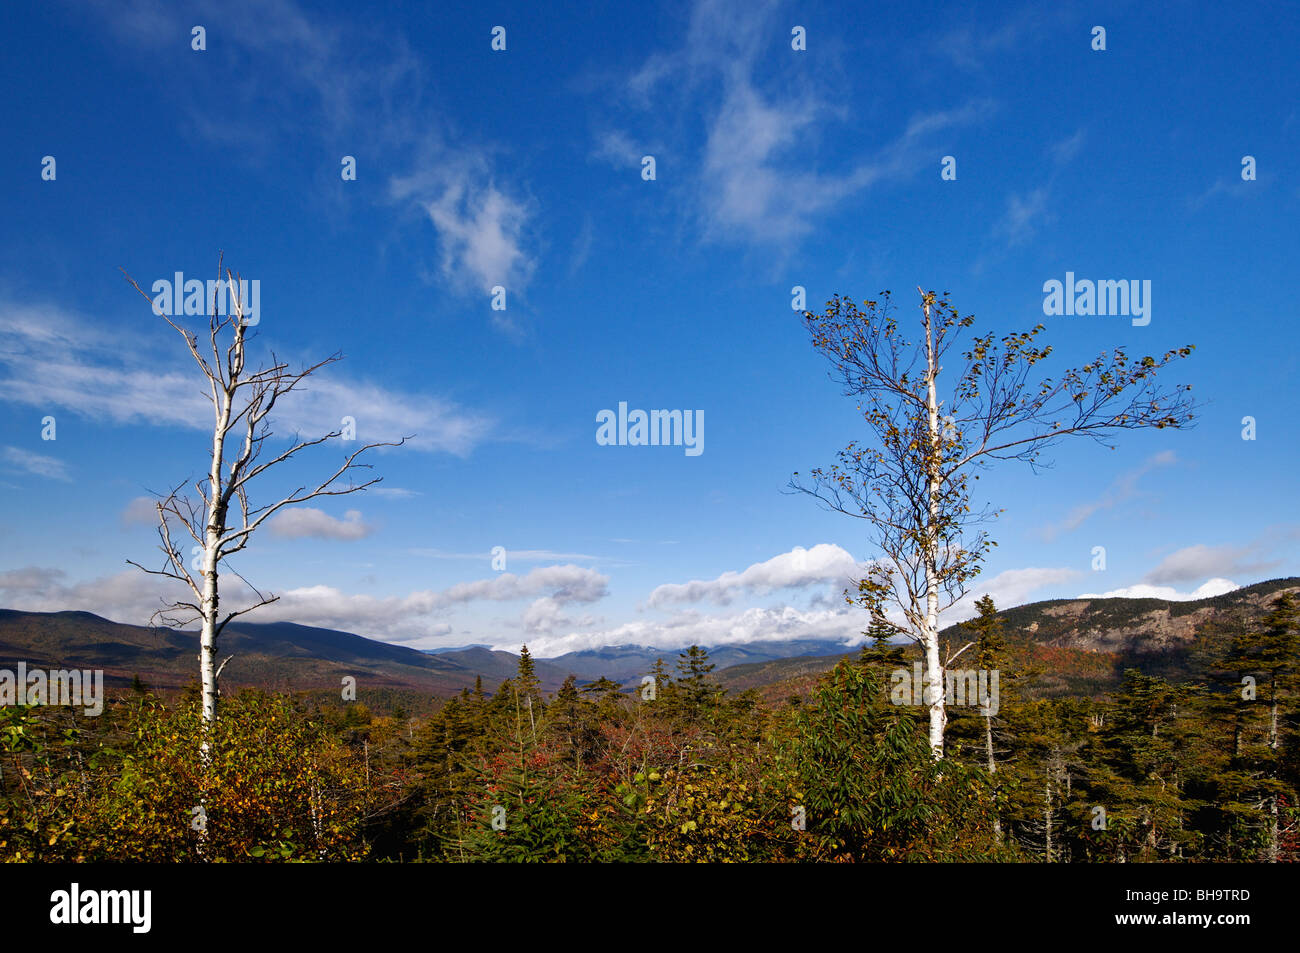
[(758, 178), (35, 464), (52, 360), (480, 228), (618, 149), (1011, 587), (1197, 562), (141, 511), (1027, 211), (1123, 489), (512, 555), (1067, 149), (972, 46), (1023, 213), (394, 492), (1234, 188), (334, 80)]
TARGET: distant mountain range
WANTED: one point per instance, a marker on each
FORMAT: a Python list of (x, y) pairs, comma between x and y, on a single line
[(1075, 646), (1079, 645), (287, 656), (626, 663)]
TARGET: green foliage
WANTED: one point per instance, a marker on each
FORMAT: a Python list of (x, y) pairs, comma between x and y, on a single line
[(271, 787), (872, 791), (1160, 771)]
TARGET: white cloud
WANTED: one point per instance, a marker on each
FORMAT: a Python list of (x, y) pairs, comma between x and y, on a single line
[(480, 234), (481, 229), (307, 522), (341, 81), (824, 563), (781, 623), (545, 615), (55, 361), (972, 46), (132, 596), (1212, 587), (36, 464), (757, 179), (1200, 561), (693, 628), (567, 583)]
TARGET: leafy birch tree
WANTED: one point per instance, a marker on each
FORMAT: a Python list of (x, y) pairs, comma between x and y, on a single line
[(221, 518), (912, 482)]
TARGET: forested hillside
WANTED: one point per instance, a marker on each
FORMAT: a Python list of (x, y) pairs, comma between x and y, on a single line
[(1161, 768)]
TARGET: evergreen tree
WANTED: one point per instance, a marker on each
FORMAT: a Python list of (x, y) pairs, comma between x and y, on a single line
[(1266, 660), (990, 656), (1136, 775), (878, 653), (699, 693), (526, 681)]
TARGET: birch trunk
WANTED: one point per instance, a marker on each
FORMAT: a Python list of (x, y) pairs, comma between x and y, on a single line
[(213, 531), (930, 635)]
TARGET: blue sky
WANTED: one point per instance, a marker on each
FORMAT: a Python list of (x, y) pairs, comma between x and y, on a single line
[(522, 168)]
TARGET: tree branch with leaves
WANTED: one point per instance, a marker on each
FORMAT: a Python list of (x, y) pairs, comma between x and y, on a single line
[(911, 482)]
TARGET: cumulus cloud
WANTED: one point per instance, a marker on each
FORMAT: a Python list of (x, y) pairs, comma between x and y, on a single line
[(693, 628), (307, 522), (548, 614), (824, 563), (837, 622), (132, 596), (1213, 587)]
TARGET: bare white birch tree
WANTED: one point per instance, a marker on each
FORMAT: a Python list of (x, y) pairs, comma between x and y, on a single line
[(912, 482), (221, 520)]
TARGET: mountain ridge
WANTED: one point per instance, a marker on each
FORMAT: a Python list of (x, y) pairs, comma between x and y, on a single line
[(1079, 645)]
